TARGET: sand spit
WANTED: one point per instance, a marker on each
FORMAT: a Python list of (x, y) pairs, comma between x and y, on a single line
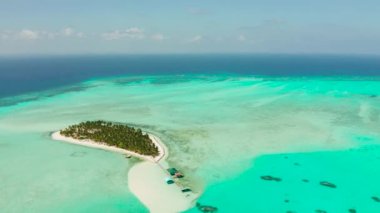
[(147, 179)]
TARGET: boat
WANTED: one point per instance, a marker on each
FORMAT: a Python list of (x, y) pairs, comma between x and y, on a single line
[(204, 208), (186, 190), (169, 180), (175, 173), (172, 171), (328, 184)]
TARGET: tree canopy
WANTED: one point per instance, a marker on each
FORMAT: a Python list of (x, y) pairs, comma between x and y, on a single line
[(113, 134)]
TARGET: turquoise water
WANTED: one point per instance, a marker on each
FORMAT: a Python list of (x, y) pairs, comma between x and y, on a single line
[(354, 172), (38, 175), (223, 132)]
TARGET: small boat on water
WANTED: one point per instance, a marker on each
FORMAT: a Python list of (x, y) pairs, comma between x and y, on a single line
[(175, 173), (204, 208), (186, 190), (169, 180), (172, 171), (328, 184), (270, 178), (128, 156)]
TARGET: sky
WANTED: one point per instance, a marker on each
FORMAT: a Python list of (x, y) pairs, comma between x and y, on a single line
[(189, 26)]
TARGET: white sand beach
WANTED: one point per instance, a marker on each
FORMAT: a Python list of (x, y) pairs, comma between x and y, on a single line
[(147, 179), (161, 147)]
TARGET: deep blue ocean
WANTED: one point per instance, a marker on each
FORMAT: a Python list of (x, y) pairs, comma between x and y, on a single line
[(20, 74)]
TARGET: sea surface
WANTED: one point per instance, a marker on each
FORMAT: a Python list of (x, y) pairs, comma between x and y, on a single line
[(227, 120)]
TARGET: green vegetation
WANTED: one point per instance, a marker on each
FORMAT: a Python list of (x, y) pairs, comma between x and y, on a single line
[(119, 135)]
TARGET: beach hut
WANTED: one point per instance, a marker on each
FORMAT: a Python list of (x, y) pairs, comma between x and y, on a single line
[(172, 171), (168, 180), (186, 190)]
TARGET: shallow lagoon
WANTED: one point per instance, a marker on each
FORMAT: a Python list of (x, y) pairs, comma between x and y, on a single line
[(215, 127), (354, 172)]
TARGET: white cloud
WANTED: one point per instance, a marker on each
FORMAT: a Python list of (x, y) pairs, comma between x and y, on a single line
[(132, 33), (241, 38), (80, 35), (46, 35), (114, 35), (68, 31), (134, 30), (196, 39), (28, 35), (135, 33), (158, 37)]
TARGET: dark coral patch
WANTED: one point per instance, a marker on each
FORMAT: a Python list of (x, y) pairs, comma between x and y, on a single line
[(328, 184), (376, 199), (271, 178)]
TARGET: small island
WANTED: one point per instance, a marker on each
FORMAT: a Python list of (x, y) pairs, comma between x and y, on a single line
[(146, 179), (112, 134)]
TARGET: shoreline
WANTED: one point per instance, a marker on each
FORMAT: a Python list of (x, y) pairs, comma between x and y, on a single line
[(146, 179), (99, 145)]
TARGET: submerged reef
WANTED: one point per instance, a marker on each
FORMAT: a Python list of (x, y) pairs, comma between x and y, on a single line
[(204, 208), (376, 199), (78, 154), (271, 178), (328, 184)]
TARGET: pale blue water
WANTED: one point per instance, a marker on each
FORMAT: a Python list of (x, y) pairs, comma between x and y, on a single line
[(38, 175), (223, 131)]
